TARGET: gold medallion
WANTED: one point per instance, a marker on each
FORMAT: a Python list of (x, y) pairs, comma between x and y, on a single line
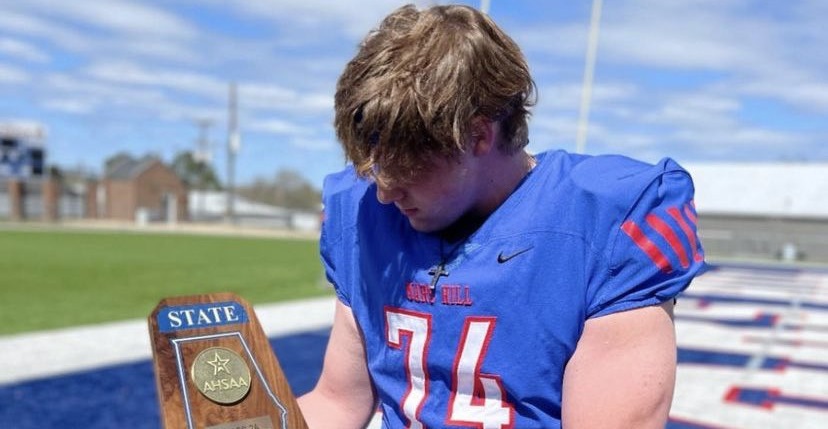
[(221, 375)]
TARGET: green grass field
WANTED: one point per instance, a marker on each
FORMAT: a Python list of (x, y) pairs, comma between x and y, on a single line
[(52, 279)]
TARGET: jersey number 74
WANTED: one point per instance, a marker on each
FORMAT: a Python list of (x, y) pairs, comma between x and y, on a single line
[(477, 400)]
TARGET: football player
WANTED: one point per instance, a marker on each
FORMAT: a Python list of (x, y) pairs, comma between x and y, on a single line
[(479, 285)]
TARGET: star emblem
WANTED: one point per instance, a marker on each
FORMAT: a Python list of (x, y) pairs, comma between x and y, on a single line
[(219, 364)]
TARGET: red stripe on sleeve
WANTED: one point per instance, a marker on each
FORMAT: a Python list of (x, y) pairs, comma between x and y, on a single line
[(667, 232), (690, 214), (688, 231), (650, 249)]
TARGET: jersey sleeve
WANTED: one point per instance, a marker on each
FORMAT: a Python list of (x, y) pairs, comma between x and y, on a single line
[(652, 250), (337, 238)]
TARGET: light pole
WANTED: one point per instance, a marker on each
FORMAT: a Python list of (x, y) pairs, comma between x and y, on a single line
[(589, 71), (484, 6)]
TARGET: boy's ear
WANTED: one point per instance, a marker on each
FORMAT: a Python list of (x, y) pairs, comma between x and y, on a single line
[(482, 133)]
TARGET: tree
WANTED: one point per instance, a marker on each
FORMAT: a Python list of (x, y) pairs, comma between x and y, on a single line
[(114, 160), (288, 188), (197, 174)]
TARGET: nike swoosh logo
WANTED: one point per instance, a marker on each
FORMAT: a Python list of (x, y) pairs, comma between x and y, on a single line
[(501, 258)]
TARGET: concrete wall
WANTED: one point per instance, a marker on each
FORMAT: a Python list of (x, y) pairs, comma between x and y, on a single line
[(764, 237)]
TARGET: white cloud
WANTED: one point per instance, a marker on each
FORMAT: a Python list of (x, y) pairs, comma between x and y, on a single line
[(810, 95), (751, 138), (275, 126), (686, 35), (117, 99), (564, 39), (10, 74), (751, 50), (567, 96), (672, 76), (773, 52), (145, 47), (118, 16), (693, 109), (36, 27), (355, 18), (181, 80), (75, 106), (262, 96), (23, 50), (314, 144), (133, 30), (66, 84)]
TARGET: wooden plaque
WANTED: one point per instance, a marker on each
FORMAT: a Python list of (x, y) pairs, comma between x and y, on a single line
[(215, 369)]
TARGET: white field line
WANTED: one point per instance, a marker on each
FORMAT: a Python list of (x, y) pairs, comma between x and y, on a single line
[(49, 353)]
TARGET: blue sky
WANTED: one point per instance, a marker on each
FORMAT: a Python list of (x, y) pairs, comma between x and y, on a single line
[(698, 80)]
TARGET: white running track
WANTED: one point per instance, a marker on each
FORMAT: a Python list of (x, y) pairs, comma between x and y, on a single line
[(49, 353)]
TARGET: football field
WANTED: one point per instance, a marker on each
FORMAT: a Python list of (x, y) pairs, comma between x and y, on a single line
[(53, 278), (753, 353)]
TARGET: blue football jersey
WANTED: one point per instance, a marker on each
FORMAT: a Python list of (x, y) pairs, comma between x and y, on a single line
[(581, 237)]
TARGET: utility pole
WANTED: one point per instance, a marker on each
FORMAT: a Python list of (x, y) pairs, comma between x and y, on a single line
[(202, 152), (589, 72), (233, 146), (202, 156)]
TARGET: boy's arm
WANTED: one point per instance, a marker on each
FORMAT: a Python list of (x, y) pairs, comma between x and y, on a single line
[(623, 371), (343, 396)]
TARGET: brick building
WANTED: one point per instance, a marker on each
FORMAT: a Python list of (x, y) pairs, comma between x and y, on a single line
[(142, 189)]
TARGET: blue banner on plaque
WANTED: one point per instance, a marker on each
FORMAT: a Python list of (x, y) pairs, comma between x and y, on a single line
[(193, 316)]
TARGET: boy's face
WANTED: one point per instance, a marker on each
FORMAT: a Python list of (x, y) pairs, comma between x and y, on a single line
[(446, 190)]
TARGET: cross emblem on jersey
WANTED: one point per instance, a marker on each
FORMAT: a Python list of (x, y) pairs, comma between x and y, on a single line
[(436, 273)]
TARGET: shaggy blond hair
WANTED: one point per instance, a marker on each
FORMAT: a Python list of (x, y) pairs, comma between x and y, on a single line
[(418, 80)]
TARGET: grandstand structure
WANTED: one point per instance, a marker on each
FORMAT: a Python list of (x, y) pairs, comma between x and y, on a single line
[(763, 210), (27, 190), (22, 150)]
